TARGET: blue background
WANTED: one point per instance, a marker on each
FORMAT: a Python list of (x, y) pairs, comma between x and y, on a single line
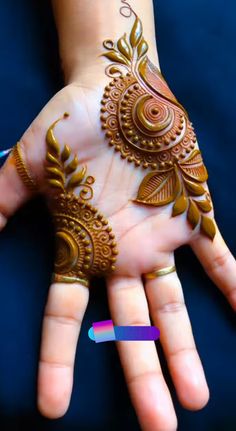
[(196, 41)]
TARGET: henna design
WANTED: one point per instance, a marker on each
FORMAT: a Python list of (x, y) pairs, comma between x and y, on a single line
[(148, 126), (85, 242), (22, 169), (126, 10)]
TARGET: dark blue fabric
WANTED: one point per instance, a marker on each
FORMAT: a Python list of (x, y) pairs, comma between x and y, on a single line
[(196, 41)]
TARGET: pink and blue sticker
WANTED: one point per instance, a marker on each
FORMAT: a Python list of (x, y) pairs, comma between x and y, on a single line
[(103, 331)]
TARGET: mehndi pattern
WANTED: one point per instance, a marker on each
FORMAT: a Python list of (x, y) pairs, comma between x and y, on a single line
[(85, 243), (143, 121)]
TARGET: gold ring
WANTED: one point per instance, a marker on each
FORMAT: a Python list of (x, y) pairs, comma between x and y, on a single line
[(58, 278), (160, 272), (22, 169)]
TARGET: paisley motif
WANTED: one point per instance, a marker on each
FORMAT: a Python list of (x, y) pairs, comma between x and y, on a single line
[(147, 125)]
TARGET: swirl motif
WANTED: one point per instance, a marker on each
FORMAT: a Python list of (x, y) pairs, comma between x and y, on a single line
[(152, 117)]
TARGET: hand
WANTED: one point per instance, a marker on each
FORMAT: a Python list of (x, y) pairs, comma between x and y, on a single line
[(147, 238)]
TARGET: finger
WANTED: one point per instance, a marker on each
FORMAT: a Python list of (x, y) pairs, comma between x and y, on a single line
[(61, 326), (219, 264), (147, 387), (13, 192), (169, 314)]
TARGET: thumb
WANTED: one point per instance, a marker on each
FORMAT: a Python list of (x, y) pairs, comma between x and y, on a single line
[(16, 183)]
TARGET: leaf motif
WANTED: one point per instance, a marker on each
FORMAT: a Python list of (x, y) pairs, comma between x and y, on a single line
[(76, 179), (56, 184), (55, 172), (194, 167), (65, 154), (193, 214), (180, 206), (159, 188), (72, 166), (208, 227), (114, 69), (51, 141), (204, 206), (193, 188), (51, 159), (124, 47), (117, 57), (142, 48), (136, 33)]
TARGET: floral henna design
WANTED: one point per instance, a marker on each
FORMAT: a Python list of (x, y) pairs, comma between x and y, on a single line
[(148, 126), (85, 243)]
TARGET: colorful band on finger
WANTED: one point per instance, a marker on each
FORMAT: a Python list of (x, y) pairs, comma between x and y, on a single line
[(22, 169), (85, 243), (105, 331), (145, 123)]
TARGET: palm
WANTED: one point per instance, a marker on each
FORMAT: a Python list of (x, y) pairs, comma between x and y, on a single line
[(116, 182), (147, 238)]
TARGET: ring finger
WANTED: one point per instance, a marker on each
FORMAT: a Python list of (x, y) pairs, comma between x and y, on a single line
[(169, 314)]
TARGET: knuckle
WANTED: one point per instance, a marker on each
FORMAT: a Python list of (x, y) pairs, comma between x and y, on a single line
[(53, 364), (63, 320), (219, 262), (142, 376), (183, 350), (171, 307)]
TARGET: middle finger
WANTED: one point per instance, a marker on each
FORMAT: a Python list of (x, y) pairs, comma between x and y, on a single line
[(148, 389)]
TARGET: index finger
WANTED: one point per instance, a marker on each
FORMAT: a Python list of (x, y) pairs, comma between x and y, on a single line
[(219, 263)]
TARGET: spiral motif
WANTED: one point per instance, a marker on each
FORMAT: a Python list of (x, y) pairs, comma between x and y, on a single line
[(97, 224), (103, 236), (67, 252), (120, 84), (104, 266), (112, 122), (165, 156), (106, 252), (86, 215), (115, 94), (111, 107), (144, 128), (152, 118)]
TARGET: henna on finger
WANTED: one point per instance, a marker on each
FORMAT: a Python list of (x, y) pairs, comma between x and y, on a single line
[(85, 243), (145, 123)]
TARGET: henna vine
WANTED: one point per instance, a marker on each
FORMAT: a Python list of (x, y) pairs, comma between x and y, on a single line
[(126, 10), (85, 244), (148, 126)]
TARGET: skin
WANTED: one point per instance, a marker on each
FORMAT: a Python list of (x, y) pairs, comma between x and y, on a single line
[(132, 302)]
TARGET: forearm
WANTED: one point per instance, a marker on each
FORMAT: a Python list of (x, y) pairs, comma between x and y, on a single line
[(84, 25)]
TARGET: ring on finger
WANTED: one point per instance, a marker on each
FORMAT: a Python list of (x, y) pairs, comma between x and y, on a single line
[(159, 272)]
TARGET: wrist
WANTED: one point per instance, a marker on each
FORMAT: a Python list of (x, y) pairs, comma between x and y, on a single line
[(90, 71), (84, 26)]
